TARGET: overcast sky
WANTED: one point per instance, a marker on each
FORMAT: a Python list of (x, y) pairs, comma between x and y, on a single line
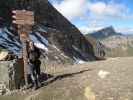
[(90, 15)]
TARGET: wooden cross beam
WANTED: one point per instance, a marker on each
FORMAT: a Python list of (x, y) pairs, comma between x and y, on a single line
[(24, 20)]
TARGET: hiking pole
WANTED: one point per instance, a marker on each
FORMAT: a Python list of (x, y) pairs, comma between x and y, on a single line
[(24, 20)]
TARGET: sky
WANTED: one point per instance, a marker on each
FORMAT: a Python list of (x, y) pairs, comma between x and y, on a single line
[(92, 15)]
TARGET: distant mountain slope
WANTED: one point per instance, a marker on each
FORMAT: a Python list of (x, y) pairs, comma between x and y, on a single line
[(118, 46), (104, 33)]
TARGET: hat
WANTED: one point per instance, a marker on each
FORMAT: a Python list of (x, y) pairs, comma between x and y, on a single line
[(3, 55)]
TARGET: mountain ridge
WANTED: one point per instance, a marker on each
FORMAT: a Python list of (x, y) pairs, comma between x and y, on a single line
[(104, 33)]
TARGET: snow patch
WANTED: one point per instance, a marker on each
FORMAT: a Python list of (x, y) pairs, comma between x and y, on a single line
[(41, 46), (78, 61)]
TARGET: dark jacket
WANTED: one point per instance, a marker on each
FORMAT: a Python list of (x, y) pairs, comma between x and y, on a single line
[(34, 54)]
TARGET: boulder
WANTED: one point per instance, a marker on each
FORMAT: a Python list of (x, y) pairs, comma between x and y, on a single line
[(11, 75), (3, 55)]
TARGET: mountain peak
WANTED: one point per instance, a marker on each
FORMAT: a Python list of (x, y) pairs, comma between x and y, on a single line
[(104, 33), (110, 28)]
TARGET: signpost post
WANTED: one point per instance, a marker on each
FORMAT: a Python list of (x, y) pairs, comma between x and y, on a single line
[(24, 21)]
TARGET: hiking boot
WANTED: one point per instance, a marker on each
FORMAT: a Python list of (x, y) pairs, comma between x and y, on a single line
[(36, 86)]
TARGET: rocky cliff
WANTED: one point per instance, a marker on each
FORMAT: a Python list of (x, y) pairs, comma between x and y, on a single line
[(63, 40)]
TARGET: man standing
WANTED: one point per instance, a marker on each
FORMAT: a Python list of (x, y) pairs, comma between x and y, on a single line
[(34, 65)]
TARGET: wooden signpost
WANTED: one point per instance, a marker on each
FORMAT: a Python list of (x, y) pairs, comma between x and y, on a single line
[(24, 21)]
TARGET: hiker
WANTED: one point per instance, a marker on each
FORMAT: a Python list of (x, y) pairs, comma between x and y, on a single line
[(34, 65)]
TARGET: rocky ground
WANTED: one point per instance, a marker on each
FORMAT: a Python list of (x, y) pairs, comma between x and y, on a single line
[(103, 80)]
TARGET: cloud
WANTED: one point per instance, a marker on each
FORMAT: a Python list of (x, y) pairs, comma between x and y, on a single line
[(125, 30), (86, 30), (110, 9), (72, 9)]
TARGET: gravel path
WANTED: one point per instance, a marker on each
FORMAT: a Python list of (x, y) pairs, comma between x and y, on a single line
[(103, 80)]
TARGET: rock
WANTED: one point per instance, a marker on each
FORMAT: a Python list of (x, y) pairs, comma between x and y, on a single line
[(103, 74), (2, 88), (3, 55), (11, 75)]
